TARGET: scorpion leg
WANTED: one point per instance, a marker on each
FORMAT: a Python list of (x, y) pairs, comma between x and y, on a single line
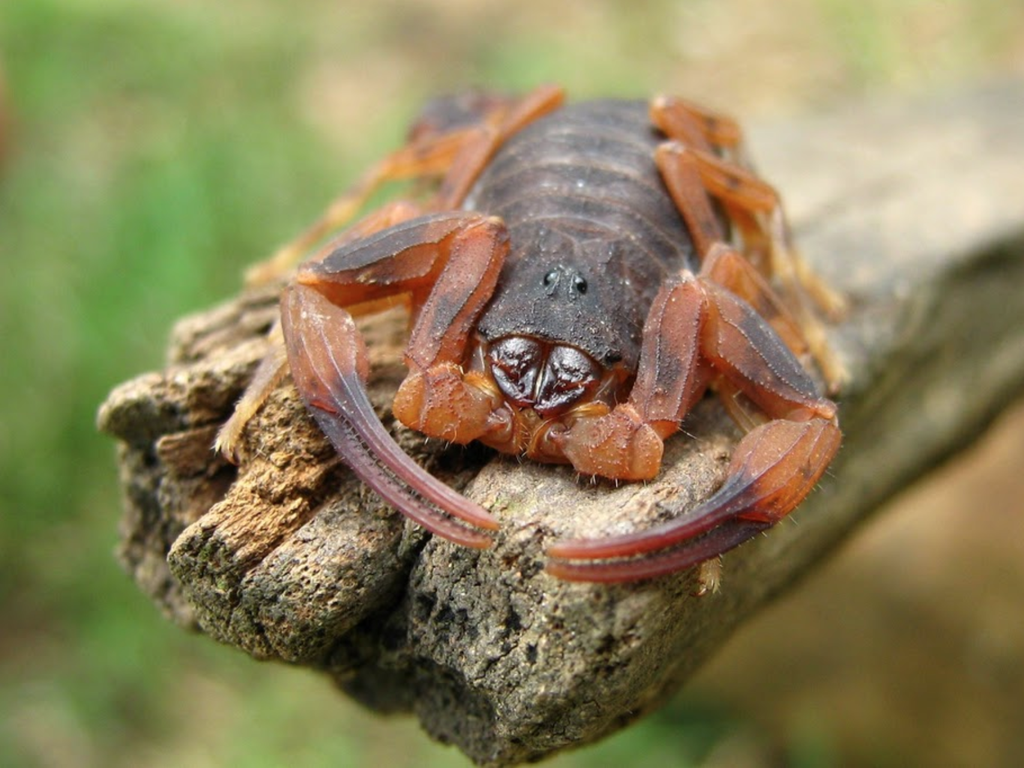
[(698, 329), (481, 144), (688, 172), (446, 265), (722, 262), (724, 265), (453, 145), (430, 156), (722, 137), (274, 365)]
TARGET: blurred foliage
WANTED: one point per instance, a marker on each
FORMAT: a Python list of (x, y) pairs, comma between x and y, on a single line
[(154, 150)]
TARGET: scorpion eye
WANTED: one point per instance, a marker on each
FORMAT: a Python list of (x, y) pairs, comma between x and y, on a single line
[(575, 284)]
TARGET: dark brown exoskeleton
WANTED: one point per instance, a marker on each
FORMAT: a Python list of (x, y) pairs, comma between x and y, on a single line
[(581, 276)]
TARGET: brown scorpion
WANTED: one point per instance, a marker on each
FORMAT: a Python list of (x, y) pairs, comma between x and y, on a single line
[(579, 276)]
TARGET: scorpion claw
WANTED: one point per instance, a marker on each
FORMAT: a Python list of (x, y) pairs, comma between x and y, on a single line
[(700, 550), (772, 470), (325, 358)]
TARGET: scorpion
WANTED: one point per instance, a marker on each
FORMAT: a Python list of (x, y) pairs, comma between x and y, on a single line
[(579, 275)]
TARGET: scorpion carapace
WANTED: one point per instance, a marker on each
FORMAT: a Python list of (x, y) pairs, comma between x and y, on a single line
[(580, 276)]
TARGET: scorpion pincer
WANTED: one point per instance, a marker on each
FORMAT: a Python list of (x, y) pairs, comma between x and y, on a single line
[(579, 277)]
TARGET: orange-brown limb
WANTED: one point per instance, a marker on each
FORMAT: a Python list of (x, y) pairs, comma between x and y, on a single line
[(451, 147), (274, 365), (327, 360), (705, 155), (773, 469), (445, 265), (697, 326)]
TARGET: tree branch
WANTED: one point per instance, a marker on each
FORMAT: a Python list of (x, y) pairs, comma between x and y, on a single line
[(913, 210)]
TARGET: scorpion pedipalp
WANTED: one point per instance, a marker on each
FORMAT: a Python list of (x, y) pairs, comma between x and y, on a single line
[(326, 355)]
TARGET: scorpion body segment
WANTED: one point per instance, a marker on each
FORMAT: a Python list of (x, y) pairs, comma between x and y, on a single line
[(592, 237), (593, 232), (581, 276)]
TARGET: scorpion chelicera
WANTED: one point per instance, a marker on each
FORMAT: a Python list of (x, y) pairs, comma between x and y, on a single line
[(579, 276)]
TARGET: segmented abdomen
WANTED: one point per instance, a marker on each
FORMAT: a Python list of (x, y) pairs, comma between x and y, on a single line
[(591, 162)]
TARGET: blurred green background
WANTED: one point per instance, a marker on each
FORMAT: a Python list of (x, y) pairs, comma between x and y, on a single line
[(155, 149)]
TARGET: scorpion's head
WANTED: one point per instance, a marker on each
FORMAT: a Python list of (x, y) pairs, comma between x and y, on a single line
[(556, 342)]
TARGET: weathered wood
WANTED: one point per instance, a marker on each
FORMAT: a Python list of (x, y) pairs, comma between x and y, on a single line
[(914, 210)]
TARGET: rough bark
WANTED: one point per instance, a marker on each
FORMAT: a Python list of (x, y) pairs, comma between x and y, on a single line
[(913, 210)]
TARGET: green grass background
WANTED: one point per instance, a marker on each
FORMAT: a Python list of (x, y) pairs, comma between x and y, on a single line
[(157, 148)]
